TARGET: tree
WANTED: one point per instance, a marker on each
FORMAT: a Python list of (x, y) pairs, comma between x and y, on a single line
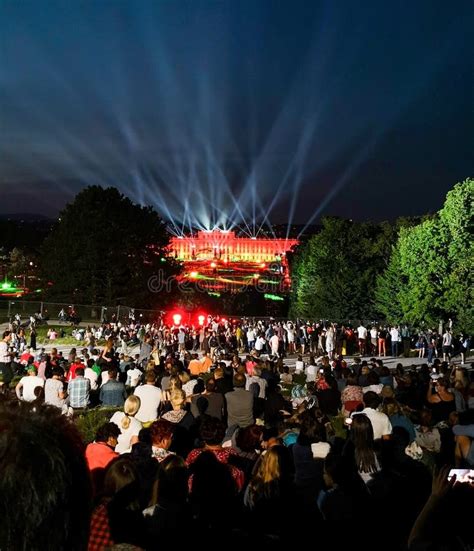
[(334, 273), (388, 288), (456, 225), (104, 249), (429, 276)]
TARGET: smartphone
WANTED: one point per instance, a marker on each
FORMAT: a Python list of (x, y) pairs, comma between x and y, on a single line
[(434, 370), (348, 421), (462, 475), (321, 371)]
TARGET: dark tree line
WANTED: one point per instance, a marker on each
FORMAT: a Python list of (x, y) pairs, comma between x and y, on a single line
[(415, 271), (104, 249)]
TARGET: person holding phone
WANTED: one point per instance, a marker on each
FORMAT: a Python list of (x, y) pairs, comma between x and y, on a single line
[(452, 501)]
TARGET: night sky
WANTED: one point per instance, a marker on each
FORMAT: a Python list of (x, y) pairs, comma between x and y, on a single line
[(219, 112)]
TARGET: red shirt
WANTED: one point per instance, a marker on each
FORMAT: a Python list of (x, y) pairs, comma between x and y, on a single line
[(72, 370), (100, 537), (222, 455), (99, 455)]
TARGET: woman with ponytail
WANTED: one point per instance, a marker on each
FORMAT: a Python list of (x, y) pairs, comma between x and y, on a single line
[(128, 425)]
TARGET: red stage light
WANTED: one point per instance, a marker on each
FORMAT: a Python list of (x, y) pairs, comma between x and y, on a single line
[(177, 319)]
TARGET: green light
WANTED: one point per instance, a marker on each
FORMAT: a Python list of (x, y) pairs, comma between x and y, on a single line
[(272, 297), (214, 294), (162, 259), (7, 286)]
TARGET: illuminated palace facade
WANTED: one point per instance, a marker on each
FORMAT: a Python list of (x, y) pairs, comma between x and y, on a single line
[(225, 245), (222, 260)]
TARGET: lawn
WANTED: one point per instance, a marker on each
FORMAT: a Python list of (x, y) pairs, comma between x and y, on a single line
[(42, 338)]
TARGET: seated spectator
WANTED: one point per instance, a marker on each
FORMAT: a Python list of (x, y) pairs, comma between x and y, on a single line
[(352, 395), (128, 425), (380, 422), (169, 509), (161, 433), (54, 393), (112, 393), (119, 474), (150, 398), (25, 389), (464, 451), (101, 452), (212, 432), (427, 436), (79, 390), (44, 487), (270, 495), (397, 417)]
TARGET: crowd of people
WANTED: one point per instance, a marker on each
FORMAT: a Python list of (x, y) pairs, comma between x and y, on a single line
[(214, 431)]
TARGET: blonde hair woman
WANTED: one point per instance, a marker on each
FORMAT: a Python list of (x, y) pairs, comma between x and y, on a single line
[(270, 494), (183, 419), (128, 425)]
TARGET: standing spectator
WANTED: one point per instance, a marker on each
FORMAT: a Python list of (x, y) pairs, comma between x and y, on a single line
[(362, 338), (5, 360), (382, 337), (373, 340), (447, 345), (394, 336), (33, 337)]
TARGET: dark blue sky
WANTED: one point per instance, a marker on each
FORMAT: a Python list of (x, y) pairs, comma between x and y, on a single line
[(229, 110)]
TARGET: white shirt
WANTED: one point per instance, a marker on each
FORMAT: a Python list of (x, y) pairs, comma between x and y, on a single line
[(262, 383), (362, 332), (274, 342), (90, 374), (380, 422), (394, 334), (299, 366), (30, 382), (447, 339), (126, 435), (4, 355), (150, 398), (311, 373), (259, 344), (133, 377)]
